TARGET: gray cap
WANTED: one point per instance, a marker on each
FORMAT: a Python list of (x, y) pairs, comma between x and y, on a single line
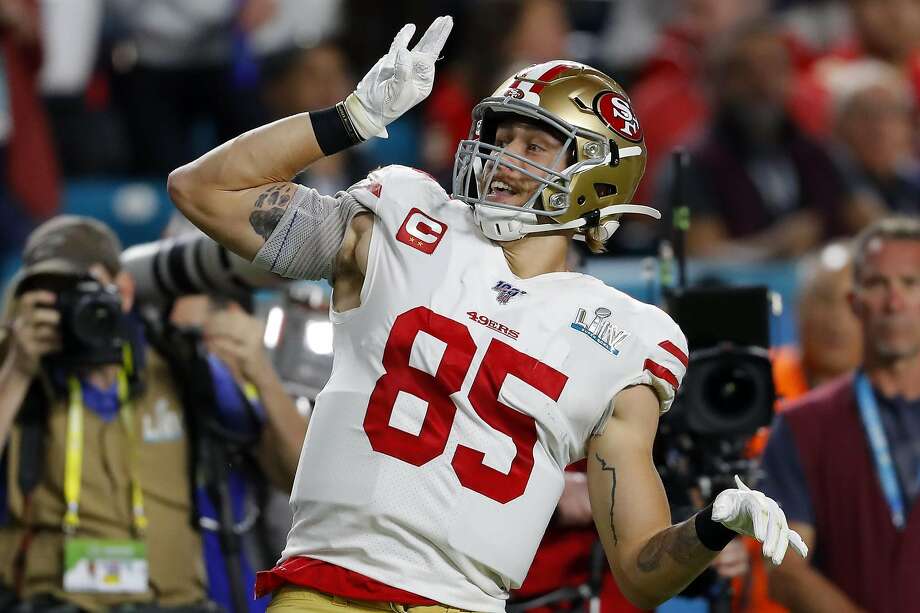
[(70, 244)]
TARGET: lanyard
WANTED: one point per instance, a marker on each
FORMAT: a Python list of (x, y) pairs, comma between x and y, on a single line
[(872, 422), (251, 392), (73, 464)]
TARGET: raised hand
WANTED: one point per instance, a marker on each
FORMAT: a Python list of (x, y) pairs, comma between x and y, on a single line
[(750, 512), (399, 80), (34, 330), (235, 337)]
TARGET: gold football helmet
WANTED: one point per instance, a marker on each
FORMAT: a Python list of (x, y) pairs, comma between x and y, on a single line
[(603, 146)]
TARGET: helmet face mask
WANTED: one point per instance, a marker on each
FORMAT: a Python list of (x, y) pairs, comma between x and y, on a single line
[(605, 159)]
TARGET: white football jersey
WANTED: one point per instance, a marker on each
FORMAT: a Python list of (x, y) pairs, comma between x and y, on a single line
[(459, 393)]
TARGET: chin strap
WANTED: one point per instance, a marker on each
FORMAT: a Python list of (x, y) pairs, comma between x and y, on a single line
[(607, 227)]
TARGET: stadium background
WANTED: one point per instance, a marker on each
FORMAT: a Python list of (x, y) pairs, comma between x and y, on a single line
[(99, 99)]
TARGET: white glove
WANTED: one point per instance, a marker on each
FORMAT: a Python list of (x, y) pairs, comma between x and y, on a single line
[(398, 81), (750, 512)]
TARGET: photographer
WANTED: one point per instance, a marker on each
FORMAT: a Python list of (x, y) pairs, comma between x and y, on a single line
[(110, 471), (844, 459)]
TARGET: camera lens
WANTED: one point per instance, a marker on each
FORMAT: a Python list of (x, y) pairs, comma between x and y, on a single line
[(95, 318), (729, 389)]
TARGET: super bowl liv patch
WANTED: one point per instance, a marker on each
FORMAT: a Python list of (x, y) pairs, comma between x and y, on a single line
[(600, 330)]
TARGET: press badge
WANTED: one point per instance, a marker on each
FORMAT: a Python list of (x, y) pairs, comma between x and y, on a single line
[(107, 566)]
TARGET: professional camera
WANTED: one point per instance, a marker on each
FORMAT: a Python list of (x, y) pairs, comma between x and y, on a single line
[(93, 329), (193, 264), (726, 396), (298, 332)]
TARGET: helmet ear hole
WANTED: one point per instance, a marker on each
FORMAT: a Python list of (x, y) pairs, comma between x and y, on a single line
[(605, 189)]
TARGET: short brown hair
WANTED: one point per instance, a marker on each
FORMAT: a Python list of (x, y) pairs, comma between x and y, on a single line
[(897, 227)]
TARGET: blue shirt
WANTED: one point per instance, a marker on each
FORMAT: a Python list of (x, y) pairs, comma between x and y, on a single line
[(102, 402), (785, 480)]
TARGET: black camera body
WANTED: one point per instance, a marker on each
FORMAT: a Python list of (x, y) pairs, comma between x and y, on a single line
[(728, 390), (93, 325), (725, 398)]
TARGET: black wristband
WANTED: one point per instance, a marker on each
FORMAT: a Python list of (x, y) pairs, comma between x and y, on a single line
[(713, 535), (333, 129)]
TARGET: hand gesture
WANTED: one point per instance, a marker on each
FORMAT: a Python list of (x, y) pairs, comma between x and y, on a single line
[(750, 512), (34, 331), (399, 80), (235, 337)]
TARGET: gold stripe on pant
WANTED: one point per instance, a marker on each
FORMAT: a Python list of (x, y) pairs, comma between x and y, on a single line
[(294, 599)]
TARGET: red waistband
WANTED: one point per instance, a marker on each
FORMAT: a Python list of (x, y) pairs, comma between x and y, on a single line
[(332, 579)]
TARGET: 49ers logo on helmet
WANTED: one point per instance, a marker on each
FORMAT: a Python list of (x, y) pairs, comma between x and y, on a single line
[(615, 111)]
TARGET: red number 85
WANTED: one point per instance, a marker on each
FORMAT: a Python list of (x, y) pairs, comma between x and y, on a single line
[(500, 360)]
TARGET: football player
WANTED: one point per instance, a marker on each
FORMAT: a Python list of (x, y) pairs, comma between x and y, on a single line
[(470, 366)]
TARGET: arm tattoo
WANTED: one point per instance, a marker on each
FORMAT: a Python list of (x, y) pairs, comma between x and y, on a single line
[(269, 207), (613, 491), (680, 542)]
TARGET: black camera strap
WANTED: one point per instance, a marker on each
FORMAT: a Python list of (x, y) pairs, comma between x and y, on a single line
[(32, 420), (213, 448), (33, 427)]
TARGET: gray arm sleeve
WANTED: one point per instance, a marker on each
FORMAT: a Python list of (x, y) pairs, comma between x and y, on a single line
[(309, 235)]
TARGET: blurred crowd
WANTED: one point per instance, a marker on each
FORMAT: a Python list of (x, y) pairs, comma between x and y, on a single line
[(800, 116)]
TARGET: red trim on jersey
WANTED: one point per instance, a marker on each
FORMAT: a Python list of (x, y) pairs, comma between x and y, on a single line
[(549, 75), (675, 351), (661, 372), (331, 579)]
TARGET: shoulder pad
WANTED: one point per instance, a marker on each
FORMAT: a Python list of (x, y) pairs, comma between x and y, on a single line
[(411, 183)]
